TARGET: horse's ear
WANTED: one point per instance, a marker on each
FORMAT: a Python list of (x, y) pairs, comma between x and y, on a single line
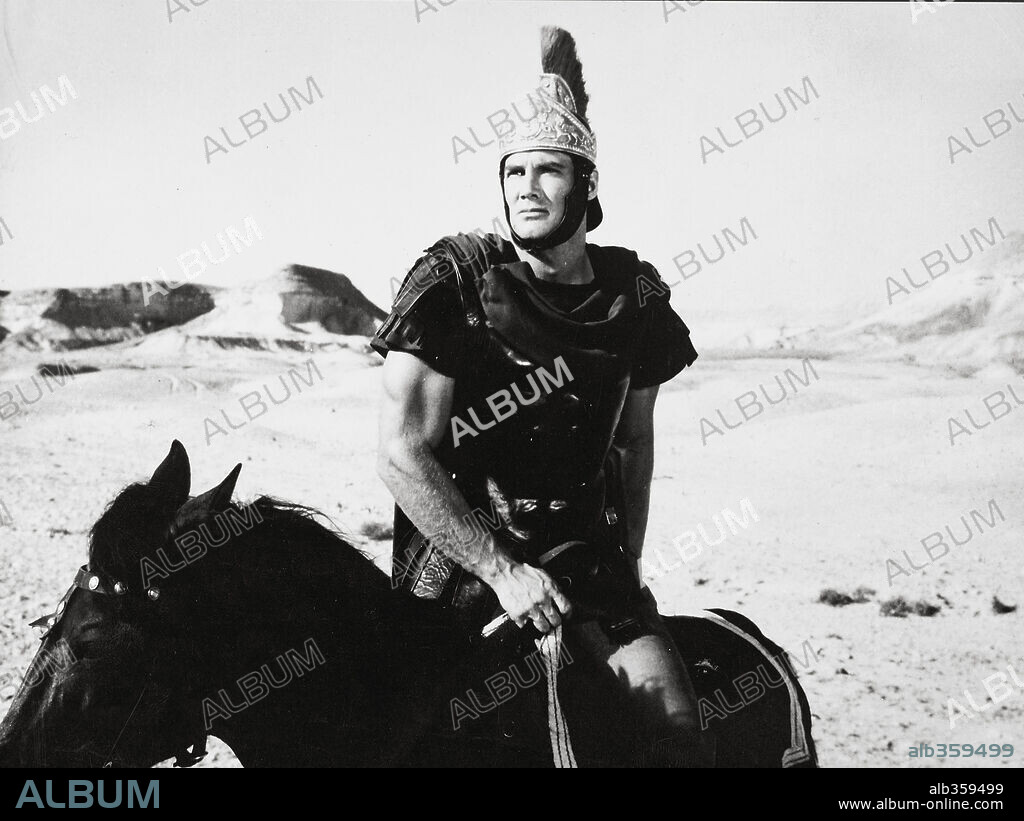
[(174, 475), (217, 499), (214, 500), (222, 494)]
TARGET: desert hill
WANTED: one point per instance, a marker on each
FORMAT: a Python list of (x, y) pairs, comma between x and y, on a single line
[(968, 318), (299, 307), (972, 316), (61, 319)]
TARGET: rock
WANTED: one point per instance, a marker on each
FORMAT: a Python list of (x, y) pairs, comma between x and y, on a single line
[(300, 307), (999, 608)]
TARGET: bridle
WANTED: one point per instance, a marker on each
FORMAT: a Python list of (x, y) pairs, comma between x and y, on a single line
[(94, 582)]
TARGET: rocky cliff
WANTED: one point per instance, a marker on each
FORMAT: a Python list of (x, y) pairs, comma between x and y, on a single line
[(298, 307)]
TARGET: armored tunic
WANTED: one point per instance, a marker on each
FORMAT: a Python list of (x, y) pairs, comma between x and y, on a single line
[(538, 390)]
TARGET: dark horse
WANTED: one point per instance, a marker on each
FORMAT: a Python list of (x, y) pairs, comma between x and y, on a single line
[(260, 626)]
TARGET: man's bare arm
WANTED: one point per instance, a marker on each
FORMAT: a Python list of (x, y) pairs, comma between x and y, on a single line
[(413, 421), (635, 438)]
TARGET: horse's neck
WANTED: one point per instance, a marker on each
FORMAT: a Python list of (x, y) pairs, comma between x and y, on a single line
[(365, 678)]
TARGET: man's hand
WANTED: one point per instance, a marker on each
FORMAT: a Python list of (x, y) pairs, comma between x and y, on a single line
[(529, 594)]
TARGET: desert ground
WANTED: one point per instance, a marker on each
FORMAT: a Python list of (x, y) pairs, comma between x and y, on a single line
[(850, 470)]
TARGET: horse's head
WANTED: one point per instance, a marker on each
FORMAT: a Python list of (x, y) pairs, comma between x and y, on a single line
[(108, 685), (255, 624)]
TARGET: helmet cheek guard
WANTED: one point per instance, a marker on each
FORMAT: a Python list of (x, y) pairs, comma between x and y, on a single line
[(577, 207)]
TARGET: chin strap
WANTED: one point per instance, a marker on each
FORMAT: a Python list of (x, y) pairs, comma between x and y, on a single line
[(575, 208)]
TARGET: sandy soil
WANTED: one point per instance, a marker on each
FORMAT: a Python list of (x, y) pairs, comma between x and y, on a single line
[(853, 469)]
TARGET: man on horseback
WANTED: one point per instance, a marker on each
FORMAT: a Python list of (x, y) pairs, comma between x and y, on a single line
[(518, 414)]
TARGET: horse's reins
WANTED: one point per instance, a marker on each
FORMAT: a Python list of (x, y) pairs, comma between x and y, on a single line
[(549, 647), (93, 582), (109, 758), (495, 624)]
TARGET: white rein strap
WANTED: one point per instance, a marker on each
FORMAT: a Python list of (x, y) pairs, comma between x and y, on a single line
[(549, 647)]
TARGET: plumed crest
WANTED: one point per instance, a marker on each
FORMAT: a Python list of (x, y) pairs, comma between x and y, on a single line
[(558, 56)]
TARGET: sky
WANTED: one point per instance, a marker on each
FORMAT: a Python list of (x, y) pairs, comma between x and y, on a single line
[(842, 192)]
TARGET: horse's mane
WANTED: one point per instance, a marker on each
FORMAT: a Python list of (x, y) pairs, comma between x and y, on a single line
[(136, 523), (133, 524)]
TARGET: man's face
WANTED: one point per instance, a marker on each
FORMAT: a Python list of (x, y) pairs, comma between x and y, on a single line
[(536, 185)]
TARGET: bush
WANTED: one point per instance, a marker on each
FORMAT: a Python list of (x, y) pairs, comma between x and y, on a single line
[(900, 608), (835, 598), (377, 531)]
